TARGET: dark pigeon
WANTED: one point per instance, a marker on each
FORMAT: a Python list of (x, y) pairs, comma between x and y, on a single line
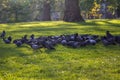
[(8, 40), (3, 34)]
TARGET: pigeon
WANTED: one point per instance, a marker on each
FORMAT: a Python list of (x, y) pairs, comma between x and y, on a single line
[(108, 34), (3, 34), (117, 39), (18, 43), (8, 40)]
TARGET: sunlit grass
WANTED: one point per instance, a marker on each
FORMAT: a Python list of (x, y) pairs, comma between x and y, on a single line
[(86, 63)]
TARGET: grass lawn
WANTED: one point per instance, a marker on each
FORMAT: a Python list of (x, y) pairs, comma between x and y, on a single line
[(86, 63)]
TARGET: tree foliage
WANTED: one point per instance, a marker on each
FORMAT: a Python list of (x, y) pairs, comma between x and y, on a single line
[(30, 10), (92, 8)]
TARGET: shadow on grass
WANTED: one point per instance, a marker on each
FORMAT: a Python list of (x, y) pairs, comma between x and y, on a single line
[(7, 52), (49, 51), (105, 22), (43, 29), (66, 27), (92, 23)]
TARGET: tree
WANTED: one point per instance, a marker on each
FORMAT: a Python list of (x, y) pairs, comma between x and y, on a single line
[(14, 10), (46, 11), (86, 6), (72, 11)]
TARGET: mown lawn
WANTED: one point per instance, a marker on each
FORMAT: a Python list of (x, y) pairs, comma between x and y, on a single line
[(86, 63)]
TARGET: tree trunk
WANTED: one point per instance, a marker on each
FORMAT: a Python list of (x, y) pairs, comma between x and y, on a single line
[(16, 15), (72, 11), (118, 11), (46, 11)]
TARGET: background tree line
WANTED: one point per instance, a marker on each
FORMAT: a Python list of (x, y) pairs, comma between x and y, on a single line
[(42, 10)]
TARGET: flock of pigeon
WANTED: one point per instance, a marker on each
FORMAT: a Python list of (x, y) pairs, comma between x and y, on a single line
[(72, 40)]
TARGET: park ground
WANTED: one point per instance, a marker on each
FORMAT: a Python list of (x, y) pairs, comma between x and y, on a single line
[(97, 62)]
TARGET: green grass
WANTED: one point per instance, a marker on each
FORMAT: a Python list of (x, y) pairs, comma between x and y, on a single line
[(85, 63)]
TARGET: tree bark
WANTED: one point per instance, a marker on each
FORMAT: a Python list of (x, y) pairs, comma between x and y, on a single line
[(72, 11), (118, 11), (46, 11)]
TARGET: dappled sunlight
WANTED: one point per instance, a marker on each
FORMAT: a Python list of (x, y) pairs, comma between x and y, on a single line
[(100, 23), (3, 25), (25, 63), (105, 22), (115, 21), (42, 24), (60, 27)]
